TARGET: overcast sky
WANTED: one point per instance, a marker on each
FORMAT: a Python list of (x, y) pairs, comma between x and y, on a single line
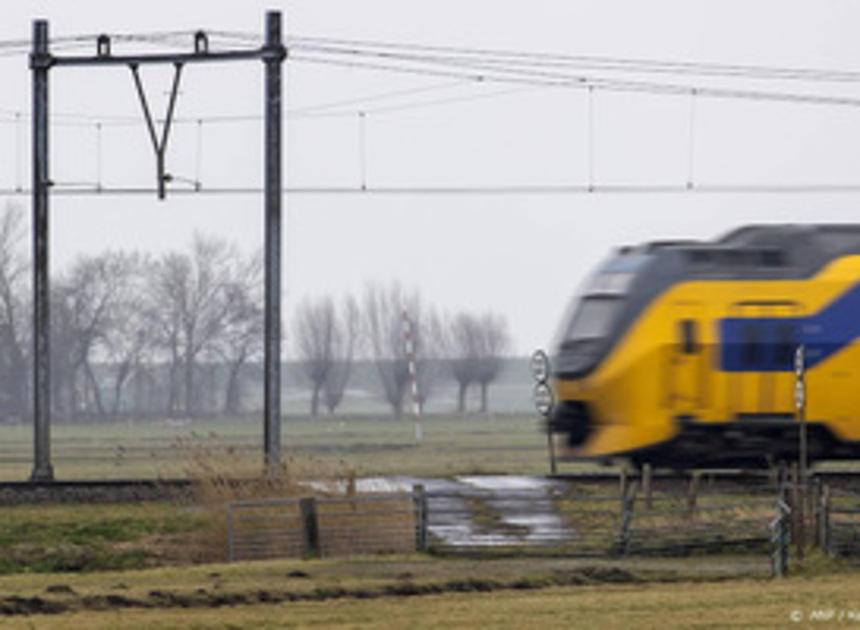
[(519, 255)]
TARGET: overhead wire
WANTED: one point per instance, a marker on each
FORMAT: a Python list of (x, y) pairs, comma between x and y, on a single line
[(464, 65), (594, 61), (90, 189), (470, 66), (338, 104), (184, 38), (517, 57), (327, 109), (479, 71)]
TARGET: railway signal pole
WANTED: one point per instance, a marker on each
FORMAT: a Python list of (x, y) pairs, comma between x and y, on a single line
[(800, 404), (803, 456), (543, 399), (272, 54)]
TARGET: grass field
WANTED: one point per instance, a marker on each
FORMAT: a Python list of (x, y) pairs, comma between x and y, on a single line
[(103, 566), (422, 592), (86, 538), (367, 445)]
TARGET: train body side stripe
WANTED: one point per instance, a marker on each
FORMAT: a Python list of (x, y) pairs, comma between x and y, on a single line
[(766, 344)]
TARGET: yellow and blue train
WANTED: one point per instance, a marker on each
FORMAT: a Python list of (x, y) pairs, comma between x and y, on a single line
[(682, 353)]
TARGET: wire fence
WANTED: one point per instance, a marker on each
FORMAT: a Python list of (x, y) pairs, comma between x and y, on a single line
[(576, 520), (841, 523), (328, 526), (271, 528), (680, 523)]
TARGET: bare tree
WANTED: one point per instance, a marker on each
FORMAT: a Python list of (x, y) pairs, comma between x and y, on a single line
[(83, 299), (129, 333), (384, 310), (314, 327), (429, 354), (242, 338), (463, 341), (383, 319), (344, 341), (493, 343), (190, 303), (14, 313)]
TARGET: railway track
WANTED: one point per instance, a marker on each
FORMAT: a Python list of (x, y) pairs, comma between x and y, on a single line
[(133, 490)]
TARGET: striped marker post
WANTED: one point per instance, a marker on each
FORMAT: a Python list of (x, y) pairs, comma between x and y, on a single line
[(409, 348)]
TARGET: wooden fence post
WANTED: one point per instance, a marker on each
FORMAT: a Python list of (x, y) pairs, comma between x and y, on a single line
[(308, 509), (784, 540), (420, 497), (692, 493), (647, 474), (824, 520), (627, 501), (814, 510), (231, 547)]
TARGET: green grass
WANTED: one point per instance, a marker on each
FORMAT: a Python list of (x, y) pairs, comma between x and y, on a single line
[(82, 538), (368, 445)]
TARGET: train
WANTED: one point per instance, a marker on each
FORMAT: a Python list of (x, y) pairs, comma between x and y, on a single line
[(682, 353)]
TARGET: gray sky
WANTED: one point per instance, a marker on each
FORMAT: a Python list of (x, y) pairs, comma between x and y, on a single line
[(521, 255)]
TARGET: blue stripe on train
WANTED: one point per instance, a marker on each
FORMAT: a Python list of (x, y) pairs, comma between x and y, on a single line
[(767, 344)]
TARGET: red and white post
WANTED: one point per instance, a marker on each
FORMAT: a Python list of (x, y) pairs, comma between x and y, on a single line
[(409, 348)]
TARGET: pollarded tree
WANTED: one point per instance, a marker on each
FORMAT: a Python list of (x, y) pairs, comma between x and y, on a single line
[(429, 354), (385, 311), (384, 332), (15, 325), (314, 325), (463, 341), (493, 343), (344, 347)]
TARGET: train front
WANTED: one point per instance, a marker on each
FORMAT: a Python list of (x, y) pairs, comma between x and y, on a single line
[(600, 377)]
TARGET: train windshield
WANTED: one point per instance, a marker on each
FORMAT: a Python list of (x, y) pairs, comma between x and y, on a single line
[(593, 318), (592, 314)]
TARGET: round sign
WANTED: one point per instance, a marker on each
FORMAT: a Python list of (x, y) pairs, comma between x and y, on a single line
[(799, 361), (544, 400), (799, 395), (540, 366)]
